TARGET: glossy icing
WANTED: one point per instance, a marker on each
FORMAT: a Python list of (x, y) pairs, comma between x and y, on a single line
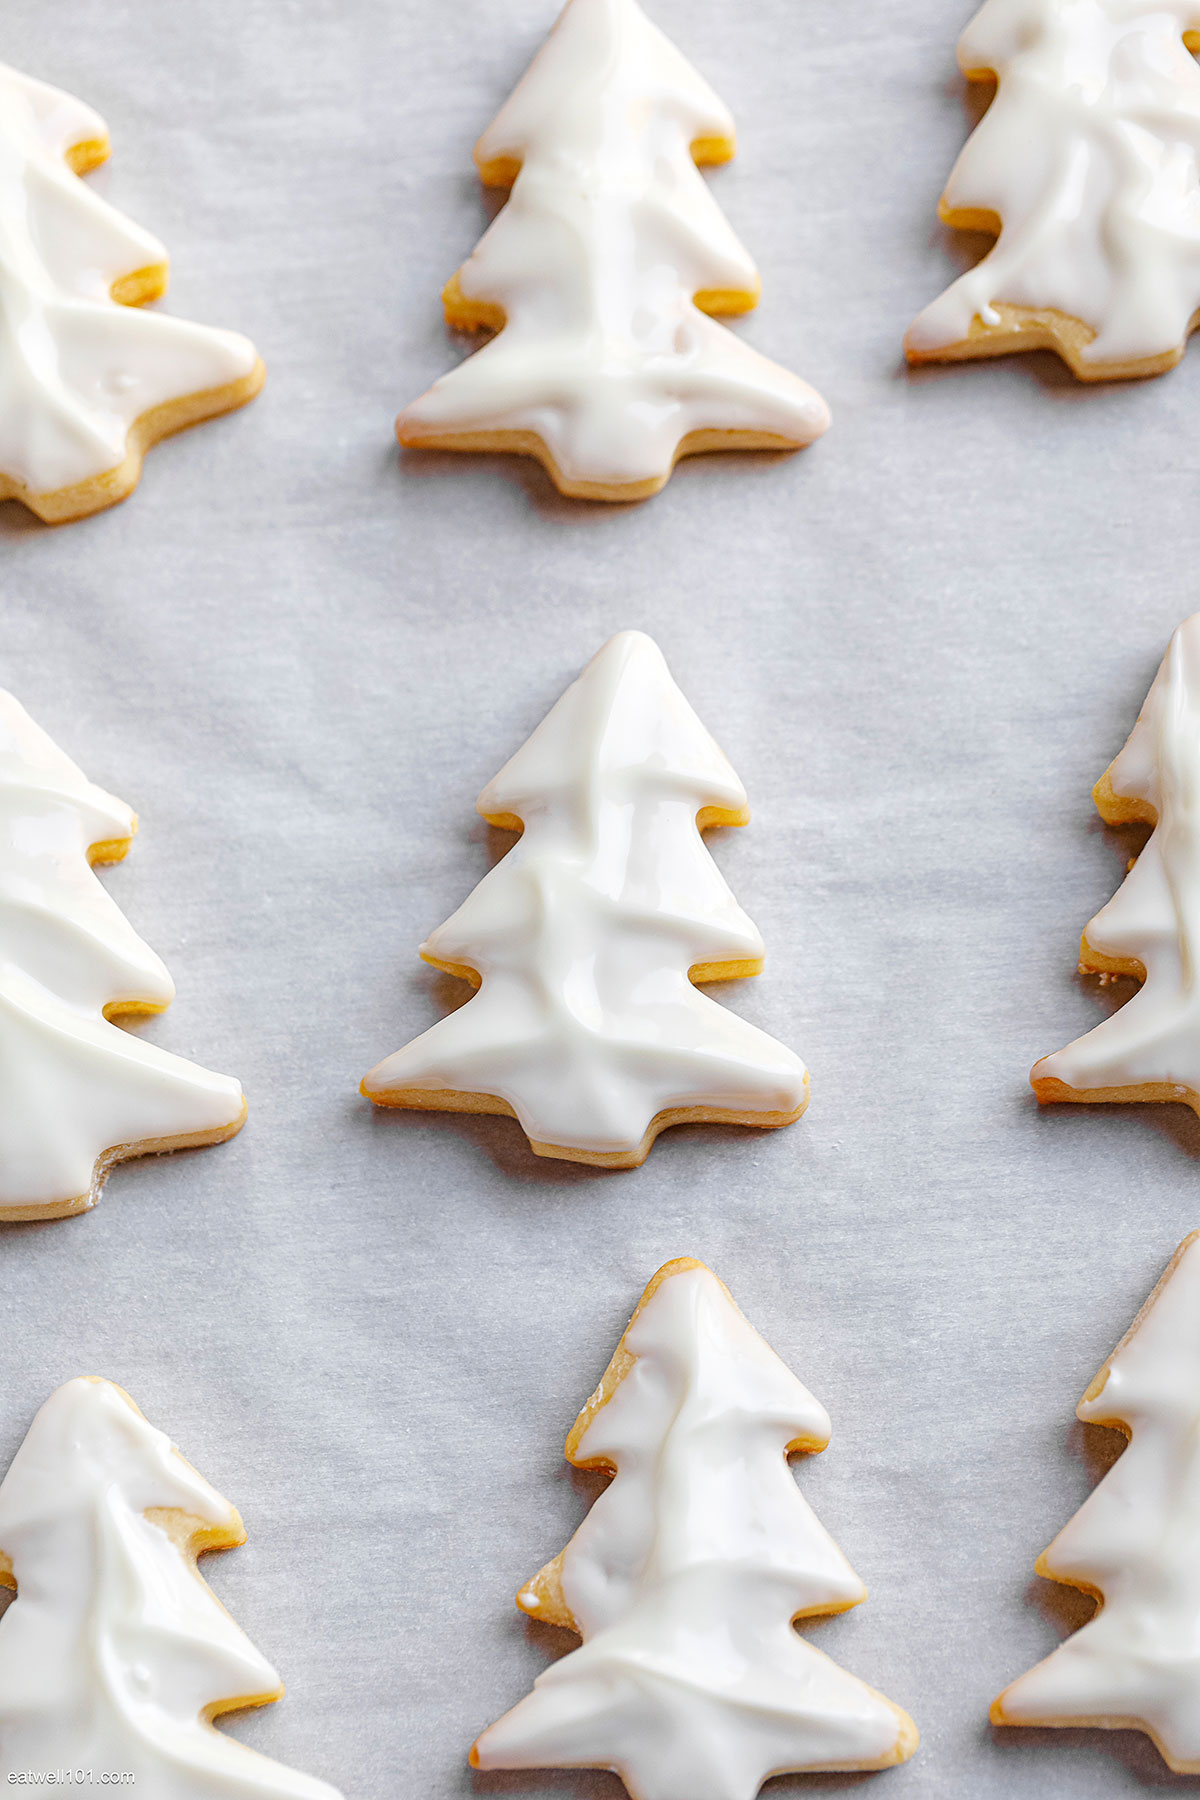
[(1154, 918), (609, 235), (685, 1577), (115, 1648), (73, 1086), (77, 369), (1135, 1543), (586, 1024), (1088, 154)]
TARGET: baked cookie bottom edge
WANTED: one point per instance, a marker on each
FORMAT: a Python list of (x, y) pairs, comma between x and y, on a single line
[(80, 1203), (83, 498), (462, 1101)]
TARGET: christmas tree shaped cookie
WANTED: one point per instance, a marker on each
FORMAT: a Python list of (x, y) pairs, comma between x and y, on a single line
[(1135, 1543), (115, 1656), (1150, 1049), (87, 381), (586, 941), (76, 1092), (1084, 167), (601, 273), (685, 1577)]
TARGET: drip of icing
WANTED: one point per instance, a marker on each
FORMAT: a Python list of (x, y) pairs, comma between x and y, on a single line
[(1135, 1543), (586, 1023), (115, 1647), (685, 1577), (77, 369), (1088, 157), (593, 265), (1154, 918), (72, 1085)]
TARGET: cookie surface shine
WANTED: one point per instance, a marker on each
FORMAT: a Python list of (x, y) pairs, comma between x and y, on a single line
[(77, 1093), (600, 274), (1085, 167), (1135, 1543), (685, 1577), (1150, 1048), (115, 1656), (586, 941), (88, 381)]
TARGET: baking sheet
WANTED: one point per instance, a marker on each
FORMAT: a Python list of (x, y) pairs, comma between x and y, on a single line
[(300, 659)]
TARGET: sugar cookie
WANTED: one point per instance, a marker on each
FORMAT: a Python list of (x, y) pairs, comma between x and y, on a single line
[(1150, 1049), (116, 1657), (77, 1093), (685, 1577), (1084, 167), (585, 942), (87, 381), (601, 272), (1134, 1545)]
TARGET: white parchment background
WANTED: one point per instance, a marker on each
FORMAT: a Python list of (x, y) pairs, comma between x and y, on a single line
[(920, 643)]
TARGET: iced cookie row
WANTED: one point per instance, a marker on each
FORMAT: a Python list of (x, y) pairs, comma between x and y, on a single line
[(683, 1582), (601, 275), (585, 945)]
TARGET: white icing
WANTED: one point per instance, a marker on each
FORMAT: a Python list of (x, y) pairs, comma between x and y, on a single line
[(1088, 154), (72, 1085), (586, 1022), (1136, 1543), (1155, 915), (76, 368), (685, 1576), (609, 233), (114, 1646)]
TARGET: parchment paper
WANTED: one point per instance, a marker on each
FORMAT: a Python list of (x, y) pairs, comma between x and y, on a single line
[(919, 642)]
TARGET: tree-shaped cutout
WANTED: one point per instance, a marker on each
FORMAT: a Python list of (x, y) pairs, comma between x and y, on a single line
[(77, 1093), (1150, 1048), (586, 940), (686, 1576), (87, 381), (115, 1656), (601, 273), (1134, 1545), (1084, 167)]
